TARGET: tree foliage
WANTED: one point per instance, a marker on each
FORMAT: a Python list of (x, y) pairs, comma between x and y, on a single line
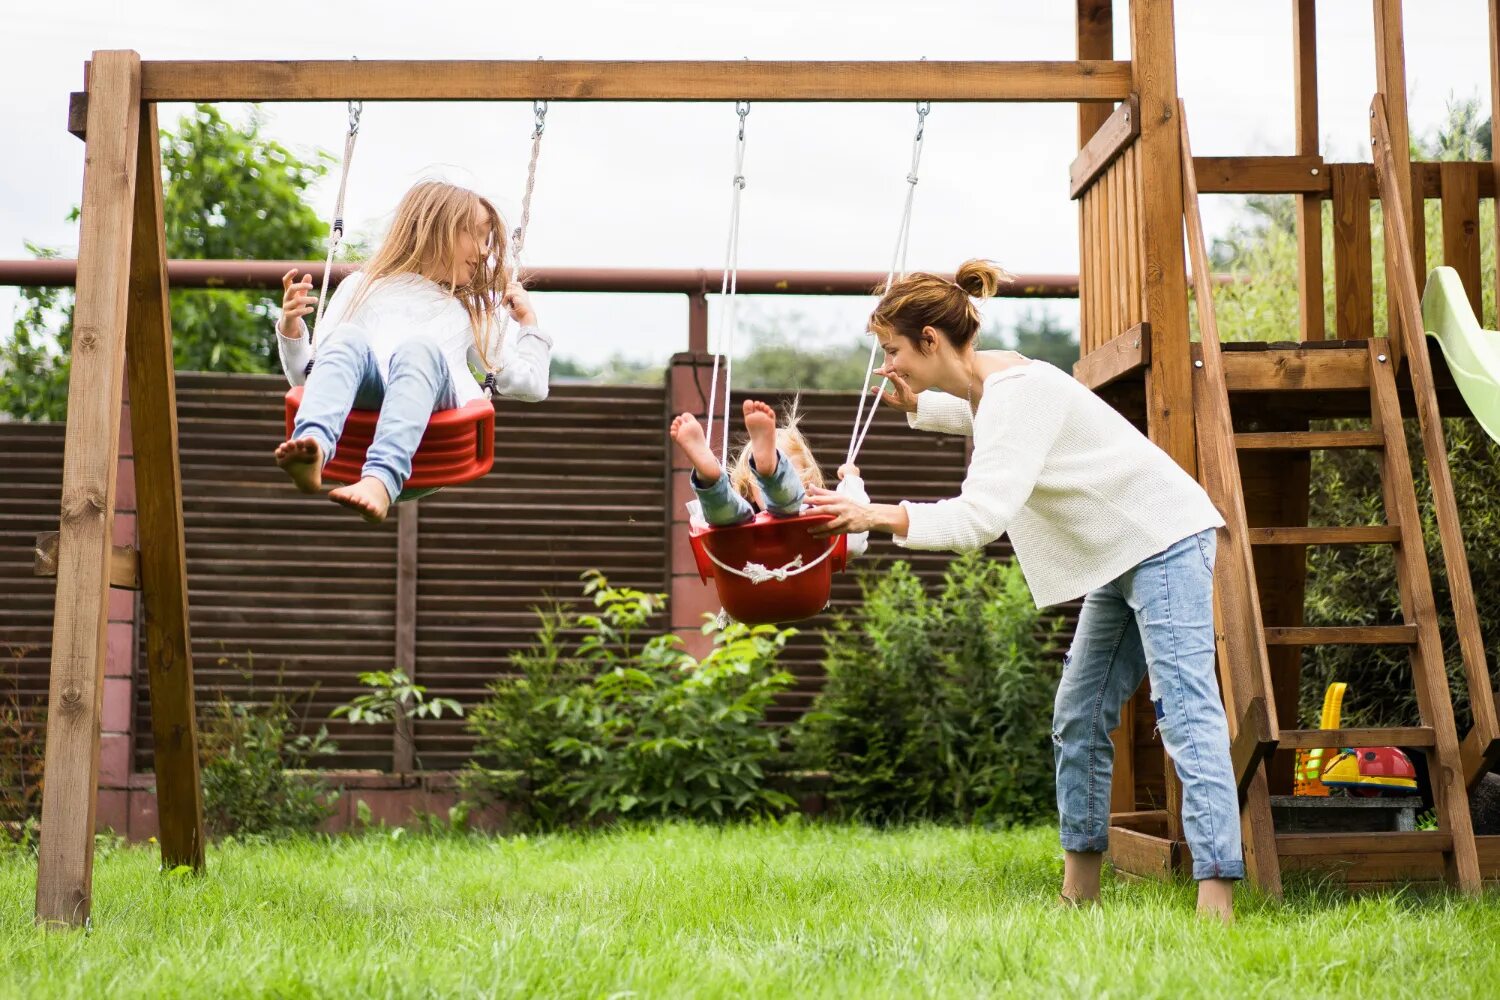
[(229, 192)]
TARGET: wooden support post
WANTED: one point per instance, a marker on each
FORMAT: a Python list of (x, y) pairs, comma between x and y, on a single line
[(65, 863), (1460, 200), (1169, 390), (153, 429), (407, 535), (1390, 81), (1096, 40), (1354, 310), (1494, 16), (1309, 207)]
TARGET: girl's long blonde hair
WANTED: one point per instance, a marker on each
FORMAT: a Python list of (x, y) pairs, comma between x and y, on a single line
[(793, 445), (423, 240)]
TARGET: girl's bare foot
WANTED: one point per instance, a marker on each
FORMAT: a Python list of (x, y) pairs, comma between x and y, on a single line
[(368, 496), (688, 434), (302, 460), (760, 421), (1216, 899)]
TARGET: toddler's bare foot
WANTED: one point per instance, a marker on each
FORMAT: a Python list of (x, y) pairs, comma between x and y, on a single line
[(760, 421), (688, 434), (302, 460), (368, 497)]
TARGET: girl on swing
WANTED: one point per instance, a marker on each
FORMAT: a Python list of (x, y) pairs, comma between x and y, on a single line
[(772, 472), (399, 336)]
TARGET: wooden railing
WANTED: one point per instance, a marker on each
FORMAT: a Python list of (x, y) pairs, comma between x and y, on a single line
[(1106, 183)]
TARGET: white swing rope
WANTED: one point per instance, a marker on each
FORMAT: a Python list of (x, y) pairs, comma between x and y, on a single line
[(727, 289), (757, 573), (518, 237), (862, 423), (336, 232)]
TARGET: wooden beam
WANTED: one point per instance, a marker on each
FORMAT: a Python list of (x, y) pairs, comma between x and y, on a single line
[(1480, 755), (1300, 368), (1253, 745), (1341, 535), (65, 860), (78, 114), (1095, 24), (1390, 82), (407, 514), (1492, 175), (1261, 174), (1169, 389), (1309, 208), (1353, 277), (1332, 739), (1414, 578), (646, 80), (1341, 635), (124, 565), (153, 428), (1244, 664), (1113, 138), (1460, 202), (1435, 449), (1337, 845), (1136, 853), (1120, 357)]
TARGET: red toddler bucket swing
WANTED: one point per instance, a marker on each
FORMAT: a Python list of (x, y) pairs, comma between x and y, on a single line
[(459, 444), (771, 569)]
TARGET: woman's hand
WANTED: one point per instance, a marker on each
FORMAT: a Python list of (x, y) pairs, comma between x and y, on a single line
[(297, 301), (899, 396), (518, 301), (851, 517)]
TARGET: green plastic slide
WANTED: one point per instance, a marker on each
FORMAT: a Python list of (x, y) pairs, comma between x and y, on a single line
[(1472, 353)]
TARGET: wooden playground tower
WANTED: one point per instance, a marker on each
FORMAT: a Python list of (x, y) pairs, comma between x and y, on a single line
[(1134, 195)]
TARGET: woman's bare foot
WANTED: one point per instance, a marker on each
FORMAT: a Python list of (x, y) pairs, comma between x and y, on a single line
[(1081, 877), (760, 421), (302, 460), (1216, 899), (688, 434), (368, 496)]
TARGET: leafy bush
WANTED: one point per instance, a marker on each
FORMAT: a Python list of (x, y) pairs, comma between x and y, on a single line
[(22, 725), (615, 725), (248, 753), (938, 706)]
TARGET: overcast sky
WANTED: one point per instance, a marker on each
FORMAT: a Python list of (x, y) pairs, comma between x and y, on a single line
[(647, 185)]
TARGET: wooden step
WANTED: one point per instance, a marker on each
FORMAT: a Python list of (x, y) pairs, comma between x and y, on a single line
[(1370, 534), (1308, 440), (1342, 635), (1315, 739), (1348, 845)]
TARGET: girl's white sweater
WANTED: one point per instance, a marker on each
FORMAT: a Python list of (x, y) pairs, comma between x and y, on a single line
[(1083, 494), (406, 306)]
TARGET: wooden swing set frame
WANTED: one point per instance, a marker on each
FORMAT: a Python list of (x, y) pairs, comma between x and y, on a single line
[(122, 327)]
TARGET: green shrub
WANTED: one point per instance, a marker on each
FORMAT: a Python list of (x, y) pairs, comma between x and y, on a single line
[(938, 706), (249, 752), (620, 726)]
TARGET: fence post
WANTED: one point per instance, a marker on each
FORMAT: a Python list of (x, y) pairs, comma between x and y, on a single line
[(407, 514)]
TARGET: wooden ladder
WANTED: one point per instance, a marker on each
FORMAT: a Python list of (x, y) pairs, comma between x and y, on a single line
[(1243, 638)]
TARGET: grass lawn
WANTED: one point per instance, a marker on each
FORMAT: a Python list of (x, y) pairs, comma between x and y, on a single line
[(685, 911)]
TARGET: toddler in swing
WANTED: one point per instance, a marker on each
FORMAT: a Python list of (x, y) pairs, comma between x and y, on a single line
[(771, 473), (399, 336)]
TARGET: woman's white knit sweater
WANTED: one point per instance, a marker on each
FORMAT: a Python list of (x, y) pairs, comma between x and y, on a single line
[(1084, 495)]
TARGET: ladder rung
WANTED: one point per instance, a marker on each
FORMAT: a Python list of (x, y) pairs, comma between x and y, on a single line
[(1342, 635), (1308, 440), (1365, 534), (1343, 845), (1314, 739)]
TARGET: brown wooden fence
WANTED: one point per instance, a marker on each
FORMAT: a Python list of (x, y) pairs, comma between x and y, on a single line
[(291, 594)]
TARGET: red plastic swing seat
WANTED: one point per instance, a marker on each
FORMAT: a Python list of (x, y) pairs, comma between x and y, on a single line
[(458, 446), (772, 542)]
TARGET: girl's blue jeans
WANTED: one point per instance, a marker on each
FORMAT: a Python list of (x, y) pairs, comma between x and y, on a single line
[(346, 376), (1155, 620), (722, 505)]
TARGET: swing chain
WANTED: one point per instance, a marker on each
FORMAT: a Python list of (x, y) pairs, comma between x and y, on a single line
[(742, 108), (539, 109)]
